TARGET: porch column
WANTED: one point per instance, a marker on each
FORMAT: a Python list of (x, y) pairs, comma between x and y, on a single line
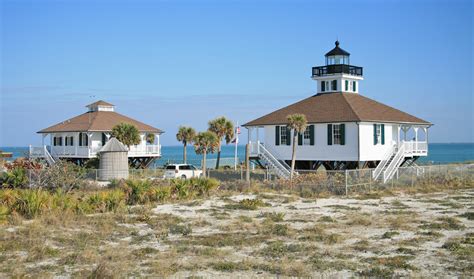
[(42, 139), (416, 137), (258, 138), (398, 135), (76, 142), (89, 144)]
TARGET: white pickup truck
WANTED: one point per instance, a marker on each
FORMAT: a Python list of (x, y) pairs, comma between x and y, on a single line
[(181, 171)]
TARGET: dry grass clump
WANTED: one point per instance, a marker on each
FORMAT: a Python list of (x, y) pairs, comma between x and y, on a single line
[(444, 223), (247, 204)]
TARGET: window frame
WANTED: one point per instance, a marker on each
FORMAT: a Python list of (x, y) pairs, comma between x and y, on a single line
[(339, 134), (306, 136), (334, 85), (283, 135)]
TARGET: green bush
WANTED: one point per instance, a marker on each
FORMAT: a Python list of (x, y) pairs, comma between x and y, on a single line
[(31, 203), (15, 178), (136, 191)]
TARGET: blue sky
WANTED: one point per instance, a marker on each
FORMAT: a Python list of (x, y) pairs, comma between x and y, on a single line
[(171, 63)]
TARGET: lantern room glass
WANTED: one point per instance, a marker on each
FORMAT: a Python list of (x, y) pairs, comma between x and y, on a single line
[(337, 60)]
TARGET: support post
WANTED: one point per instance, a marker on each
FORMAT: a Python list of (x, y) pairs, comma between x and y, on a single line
[(247, 162), (345, 172)]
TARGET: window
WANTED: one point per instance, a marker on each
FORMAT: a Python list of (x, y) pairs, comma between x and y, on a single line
[(323, 87), (354, 86), (307, 137), (68, 141), (83, 139), (185, 167), (379, 134), (57, 141), (336, 134), (347, 85), (284, 135), (171, 167), (334, 85)]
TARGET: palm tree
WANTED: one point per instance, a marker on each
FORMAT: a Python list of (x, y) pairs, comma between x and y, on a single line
[(222, 127), (126, 133), (205, 142), (185, 135), (296, 122), (150, 138)]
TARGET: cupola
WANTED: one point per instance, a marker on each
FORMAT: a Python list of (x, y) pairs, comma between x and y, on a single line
[(100, 106), (338, 75)]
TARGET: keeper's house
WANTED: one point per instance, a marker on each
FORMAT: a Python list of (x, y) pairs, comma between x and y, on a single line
[(80, 138), (345, 129)]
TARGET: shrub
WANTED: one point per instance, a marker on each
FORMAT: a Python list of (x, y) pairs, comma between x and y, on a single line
[(15, 178), (136, 191), (106, 201), (159, 194), (181, 188), (31, 203)]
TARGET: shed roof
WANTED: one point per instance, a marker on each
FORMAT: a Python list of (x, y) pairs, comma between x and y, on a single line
[(113, 145), (102, 121), (338, 107)]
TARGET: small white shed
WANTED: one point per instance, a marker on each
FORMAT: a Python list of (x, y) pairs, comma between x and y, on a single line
[(113, 161)]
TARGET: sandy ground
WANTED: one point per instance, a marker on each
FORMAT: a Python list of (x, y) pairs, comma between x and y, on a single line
[(264, 235)]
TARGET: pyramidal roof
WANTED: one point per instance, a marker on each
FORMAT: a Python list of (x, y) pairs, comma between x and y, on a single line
[(114, 145), (100, 121), (338, 107)]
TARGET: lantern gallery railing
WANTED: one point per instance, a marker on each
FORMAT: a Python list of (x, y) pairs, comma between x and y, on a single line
[(337, 69)]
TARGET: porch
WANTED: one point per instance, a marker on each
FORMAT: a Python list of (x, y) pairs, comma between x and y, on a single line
[(90, 151)]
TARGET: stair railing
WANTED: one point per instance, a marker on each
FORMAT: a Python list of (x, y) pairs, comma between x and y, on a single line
[(48, 156), (394, 164), (268, 156), (378, 170)]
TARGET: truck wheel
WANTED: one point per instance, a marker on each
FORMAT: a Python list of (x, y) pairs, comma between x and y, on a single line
[(183, 176)]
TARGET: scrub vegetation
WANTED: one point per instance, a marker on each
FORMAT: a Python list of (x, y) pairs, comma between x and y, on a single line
[(208, 228)]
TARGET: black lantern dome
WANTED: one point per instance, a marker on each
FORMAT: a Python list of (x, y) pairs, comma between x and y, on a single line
[(337, 56)]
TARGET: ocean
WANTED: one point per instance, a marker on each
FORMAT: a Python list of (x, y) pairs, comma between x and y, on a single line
[(439, 153)]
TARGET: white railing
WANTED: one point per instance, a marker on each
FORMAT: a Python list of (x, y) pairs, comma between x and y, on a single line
[(378, 170), (415, 148), (394, 164), (89, 151)]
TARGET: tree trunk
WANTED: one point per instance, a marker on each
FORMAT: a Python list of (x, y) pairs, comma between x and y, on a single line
[(218, 155), (293, 155), (204, 164), (184, 153)]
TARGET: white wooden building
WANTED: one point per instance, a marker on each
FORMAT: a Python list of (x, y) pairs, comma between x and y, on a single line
[(345, 129), (80, 138)]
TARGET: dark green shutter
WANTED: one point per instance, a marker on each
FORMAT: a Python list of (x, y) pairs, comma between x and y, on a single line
[(288, 136), (334, 85), (277, 135), (375, 134), (343, 134), (300, 139), (329, 134), (383, 134), (323, 87), (104, 138), (80, 139), (311, 134), (354, 86), (347, 85)]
